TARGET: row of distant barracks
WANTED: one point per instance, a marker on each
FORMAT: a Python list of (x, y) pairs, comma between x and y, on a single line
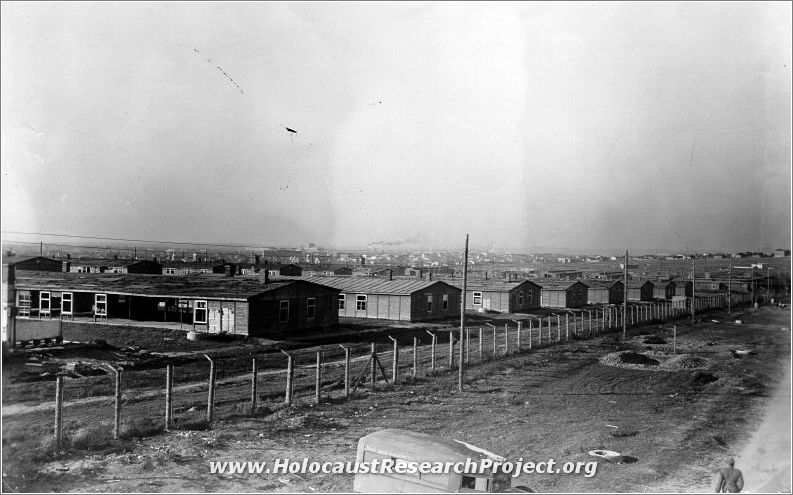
[(275, 303)]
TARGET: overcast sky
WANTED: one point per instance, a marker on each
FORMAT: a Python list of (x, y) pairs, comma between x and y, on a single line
[(602, 125)]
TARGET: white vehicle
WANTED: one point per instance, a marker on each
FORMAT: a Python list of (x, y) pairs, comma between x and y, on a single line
[(411, 447)]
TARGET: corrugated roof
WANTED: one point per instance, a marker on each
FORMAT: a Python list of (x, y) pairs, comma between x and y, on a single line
[(558, 284), (490, 285), (199, 286), (602, 284), (375, 285)]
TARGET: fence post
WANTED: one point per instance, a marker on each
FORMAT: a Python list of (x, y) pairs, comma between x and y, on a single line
[(346, 371), (506, 339), (674, 339), (432, 349), (451, 349), (318, 379), (395, 361), (168, 396), (567, 326), (211, 394), (415, 357), (558, 328), (481, 343), (550, 339), (290, 371), (254, 385), (117, 406), (374, 366), (58, 412)]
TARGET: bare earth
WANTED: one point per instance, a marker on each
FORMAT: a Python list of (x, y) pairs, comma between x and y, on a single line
[(558, 402)]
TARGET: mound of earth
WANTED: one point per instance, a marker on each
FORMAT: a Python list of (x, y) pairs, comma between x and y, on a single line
[(636, 358), (685, 362)]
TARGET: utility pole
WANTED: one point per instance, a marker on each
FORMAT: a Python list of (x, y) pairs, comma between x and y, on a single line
[(768, 284), (625, 297), (461, 372), (693, 291)]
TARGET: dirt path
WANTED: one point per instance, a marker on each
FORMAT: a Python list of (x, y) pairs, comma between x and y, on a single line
[(765, 460), (551, 403)]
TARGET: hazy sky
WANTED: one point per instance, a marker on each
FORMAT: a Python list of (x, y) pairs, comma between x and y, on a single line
[(599, 125)]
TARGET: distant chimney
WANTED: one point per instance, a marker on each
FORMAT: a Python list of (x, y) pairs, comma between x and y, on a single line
[(485, 275), (429, 276), (390, 274)]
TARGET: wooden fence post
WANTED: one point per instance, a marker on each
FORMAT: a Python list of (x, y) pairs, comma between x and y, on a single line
[(506, 339), (451, 349), (481, 342), (346, 371), (567, 326), (58, 441), (168, 396), (117, 406), (432, 349), (550, 339), (374, 366), (395, 361), (415, 356), (211, 393), (558, 328), (290, 372), (254, 385), (531, 332), (318, 379)]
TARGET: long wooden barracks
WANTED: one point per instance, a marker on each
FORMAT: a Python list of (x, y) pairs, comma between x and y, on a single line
[(208, 303)]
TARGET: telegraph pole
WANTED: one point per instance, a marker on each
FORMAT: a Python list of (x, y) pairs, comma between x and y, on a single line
[(693, 291), (461, 372), (625, 297)]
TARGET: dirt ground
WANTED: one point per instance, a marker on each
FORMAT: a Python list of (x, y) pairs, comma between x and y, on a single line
[(680, 423)]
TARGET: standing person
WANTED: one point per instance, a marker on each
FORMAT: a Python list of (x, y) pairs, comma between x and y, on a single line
[(730, 479)]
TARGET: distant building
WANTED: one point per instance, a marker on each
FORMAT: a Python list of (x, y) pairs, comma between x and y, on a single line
[(402, 299), (114, 266), (605, 292), (781, 253), (640, 290), (503, 296), (210, 304), (563, 274), (563, 294)]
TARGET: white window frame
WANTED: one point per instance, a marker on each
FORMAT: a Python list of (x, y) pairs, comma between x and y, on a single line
[(69, 301), (342, 301), (45, 298), (360, 302), (477, 295), (24, 303), (311, 308), (529, 296), (200, 307), (429, 303), (445, 304), (100, 298), (283, 305)]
